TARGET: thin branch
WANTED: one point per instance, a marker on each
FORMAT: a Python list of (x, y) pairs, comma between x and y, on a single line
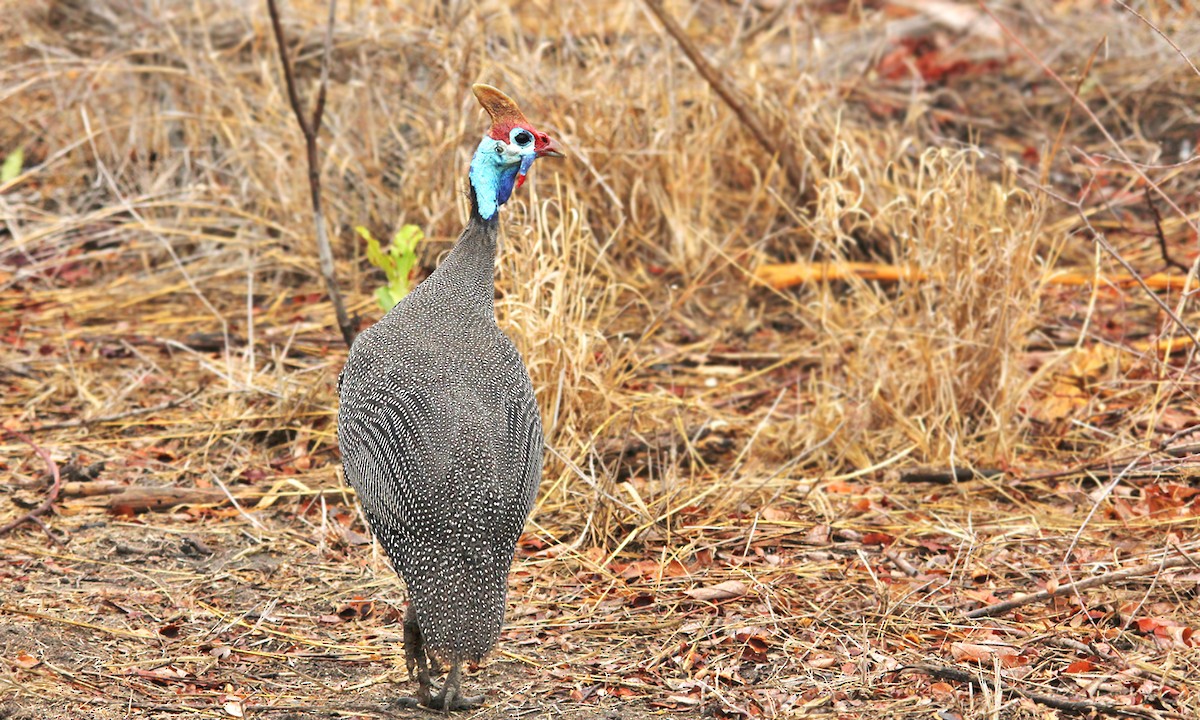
[(1163, 35), (1124, 156), (79, 422), (1103, 242), (1083, 706), (775, 143), (310, 127), (1086, 584), (1162, 238), (55, 487)]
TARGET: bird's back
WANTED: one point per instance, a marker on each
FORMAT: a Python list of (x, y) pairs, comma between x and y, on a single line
[(442, 440)]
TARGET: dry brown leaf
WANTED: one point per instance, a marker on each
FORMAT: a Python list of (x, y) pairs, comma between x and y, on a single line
[(722, 591)]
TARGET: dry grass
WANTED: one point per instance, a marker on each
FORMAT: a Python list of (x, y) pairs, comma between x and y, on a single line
[(705, 428)]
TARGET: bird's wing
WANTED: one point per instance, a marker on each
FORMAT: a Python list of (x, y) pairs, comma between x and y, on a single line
[(387, 438), (524, 459)]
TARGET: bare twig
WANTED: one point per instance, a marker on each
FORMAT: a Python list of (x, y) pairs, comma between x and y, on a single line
[(1097, 581), (1124, 156), (79, 422), (775, 143), (51, 496), (1103, 242), (311, 128), (1163, 35), (1162, 238), (1084, 706), (948, 475), (1062, 129), (905, 566)]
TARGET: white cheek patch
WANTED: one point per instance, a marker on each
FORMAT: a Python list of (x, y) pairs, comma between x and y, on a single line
[(509, 153)]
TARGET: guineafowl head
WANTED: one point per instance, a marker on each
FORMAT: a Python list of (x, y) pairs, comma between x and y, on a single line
[(506, 152)]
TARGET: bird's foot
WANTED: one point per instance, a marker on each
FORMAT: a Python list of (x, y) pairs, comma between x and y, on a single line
[(451, 697), (447, 702)]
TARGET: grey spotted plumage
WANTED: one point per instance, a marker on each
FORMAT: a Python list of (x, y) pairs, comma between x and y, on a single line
[(440, 432)]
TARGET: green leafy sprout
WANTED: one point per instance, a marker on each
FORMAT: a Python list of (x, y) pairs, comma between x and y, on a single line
[(397, 263), (12, 165)]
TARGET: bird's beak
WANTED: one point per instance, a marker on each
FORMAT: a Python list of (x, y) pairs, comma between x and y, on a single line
[(551, 149)]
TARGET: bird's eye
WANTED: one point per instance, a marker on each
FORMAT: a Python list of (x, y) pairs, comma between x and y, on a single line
[(523, 138)]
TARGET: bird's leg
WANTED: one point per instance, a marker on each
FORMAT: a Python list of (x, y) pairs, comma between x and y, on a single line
[(414, 644), (451, 697), (416, 657)]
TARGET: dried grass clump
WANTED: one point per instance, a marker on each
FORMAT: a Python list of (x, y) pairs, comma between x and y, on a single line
[(931, 367)]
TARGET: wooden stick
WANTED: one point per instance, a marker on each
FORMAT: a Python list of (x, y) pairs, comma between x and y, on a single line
[(784, 275), (1162, 238), (79, 422), (137, 499), (775, 143), (55, 487), (1082, 706), (310, 129), (1097, 581)]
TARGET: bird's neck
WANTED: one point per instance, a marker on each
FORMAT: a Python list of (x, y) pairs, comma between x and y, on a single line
[(469, 267)]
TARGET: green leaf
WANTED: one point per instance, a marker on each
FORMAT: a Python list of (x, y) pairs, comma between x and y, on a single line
[(12, 165), (375, 254), (383, 296), (397, 262), (407, 237)]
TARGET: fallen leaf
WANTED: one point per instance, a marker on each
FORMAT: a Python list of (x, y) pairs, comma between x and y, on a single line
[(723, 591), (1080, 666), (973, 652)]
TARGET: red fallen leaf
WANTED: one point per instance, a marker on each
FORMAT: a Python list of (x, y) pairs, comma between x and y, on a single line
[(974, 652), (754, 648), (254, 474), (675, 569), (641, 600), (357, 608), (722, 591), (531, 542), (25, 660), (842, 487), (877, 538), (1080, 666), (941, 688), (987, 597), (169, 631), (1149, 625)]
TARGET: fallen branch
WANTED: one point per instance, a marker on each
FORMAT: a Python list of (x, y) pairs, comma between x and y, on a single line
[(311, 128), (775, 143), (1083, 706), (141, 499), (161, 499), (785, 275), (948, 475), (1086, 584), (81, 422), (56, 486), (1162, 237)]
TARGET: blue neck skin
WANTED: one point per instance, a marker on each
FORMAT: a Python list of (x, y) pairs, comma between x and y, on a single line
[(494, 174)]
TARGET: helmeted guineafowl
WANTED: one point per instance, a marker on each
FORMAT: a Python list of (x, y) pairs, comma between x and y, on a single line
[(440, 432)]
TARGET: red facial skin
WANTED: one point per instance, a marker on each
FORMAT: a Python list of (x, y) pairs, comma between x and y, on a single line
[(543, 144)]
